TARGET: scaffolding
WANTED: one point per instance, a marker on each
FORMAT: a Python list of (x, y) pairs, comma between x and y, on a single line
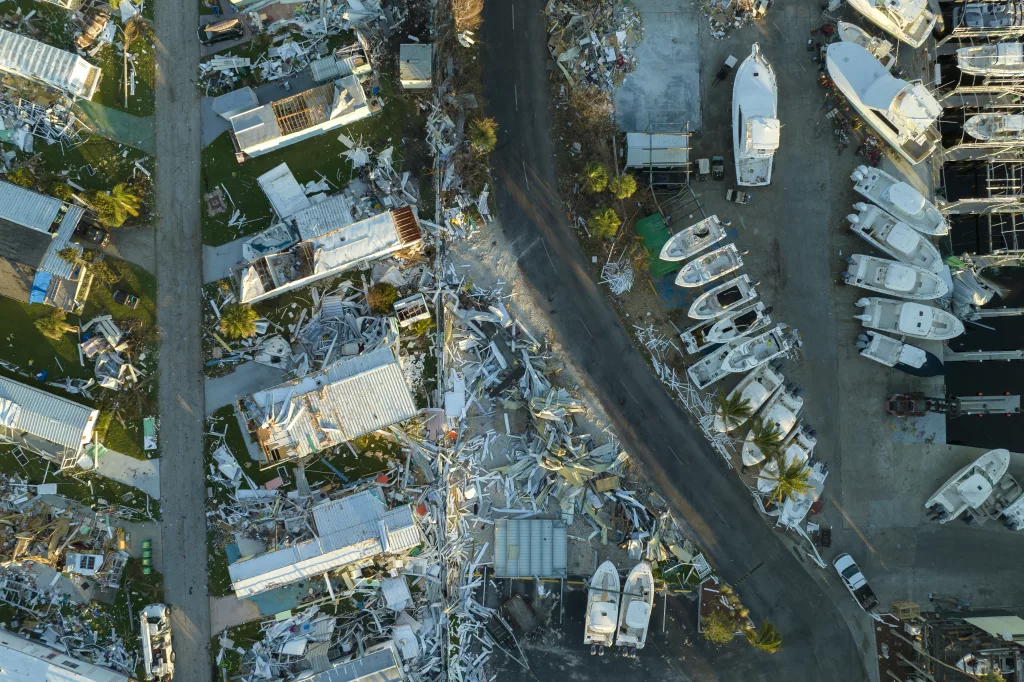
[(983, 187), (985, 20)]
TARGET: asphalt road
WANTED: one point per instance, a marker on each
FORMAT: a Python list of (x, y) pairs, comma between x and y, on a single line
[(179, 272), (711, 500)]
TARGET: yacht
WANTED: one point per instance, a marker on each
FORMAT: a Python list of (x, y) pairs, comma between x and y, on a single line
[(760, 349), (899, 200), (910, 21), (897, 239), (782, 411), (908, 319), (710, 266), (754, 389), (755, 120), (894, 278), (898, 355), (969, 487), (901, 113), (991, 59), (635, 614), (725, 297), (602, 609), (993, 127), (879, 48), (692, 240)]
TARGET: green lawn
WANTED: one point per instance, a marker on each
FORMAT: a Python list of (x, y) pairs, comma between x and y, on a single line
[(308, 160), (111, 90)]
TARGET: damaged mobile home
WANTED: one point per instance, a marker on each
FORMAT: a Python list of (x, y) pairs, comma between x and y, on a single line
[(54, 428), (47, 65)]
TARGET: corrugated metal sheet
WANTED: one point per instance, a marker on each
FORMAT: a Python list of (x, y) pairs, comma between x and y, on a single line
[(23, 660), (529, 548), (657, 150), (324, 217), (52, 418), (52, 262), (44, 63), (414, 64), (283, 191), (380, 666), (27, 208), (1000, 625), (255, 126)]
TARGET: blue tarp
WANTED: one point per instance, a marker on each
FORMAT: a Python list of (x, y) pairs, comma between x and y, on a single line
[(40, 285)]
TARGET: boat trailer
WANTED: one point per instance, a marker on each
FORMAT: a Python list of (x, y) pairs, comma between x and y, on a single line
[(918, 404)]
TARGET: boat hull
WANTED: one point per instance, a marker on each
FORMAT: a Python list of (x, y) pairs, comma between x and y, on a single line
[(755, 102), (878, 18), (690, 241)]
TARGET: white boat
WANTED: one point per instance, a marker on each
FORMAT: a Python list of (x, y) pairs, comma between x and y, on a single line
[(901, 113), (899, 200), (755, 120), (969, 487), (897, 239), (781, 411), (993, 127), (898, 355), (693, 239), (879, 48), (795, 509), (991, 59), (155, 632), (755, 389), (728, 296), (635, 614), (894, 278), (760, 349), (711, 368), (602, 609), (798, 447), (988, 15), (740, 322), (909, 319), (710, 266), (910, 21)]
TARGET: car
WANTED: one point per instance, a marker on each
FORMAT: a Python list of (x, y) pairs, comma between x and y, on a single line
[(126, 299), (86, 231), (219, 31), (855, 582)]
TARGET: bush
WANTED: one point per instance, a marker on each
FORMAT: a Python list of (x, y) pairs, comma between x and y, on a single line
[(595, 177), (53, 325), (22, 177), (421, 328), (483, 134), (61, 190), (605, 223), (622, 186), (381, 297), (114, 209), (238, 321), (718, 628)]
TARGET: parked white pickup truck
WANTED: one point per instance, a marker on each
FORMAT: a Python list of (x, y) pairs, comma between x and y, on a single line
[(855, 581)]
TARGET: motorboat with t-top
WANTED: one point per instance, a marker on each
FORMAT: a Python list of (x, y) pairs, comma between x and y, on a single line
[(988, 15), (602, 609), (692, 240), (879, 48), (996, 127), (991, 59), (970, 487), (898, 355), (894, 278), (728, 296), (899, 200), (910, 21), (740, 322), (781, 412), (755, 120), (897, 239), (901, 113), (710, 266), (711, 368), (754, 390), (909, 319), (762, 348), (635, 614)]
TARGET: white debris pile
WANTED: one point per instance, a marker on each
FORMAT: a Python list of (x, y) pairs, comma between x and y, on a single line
[(54, 124), (618, 275), (106, 344), (593, 44)]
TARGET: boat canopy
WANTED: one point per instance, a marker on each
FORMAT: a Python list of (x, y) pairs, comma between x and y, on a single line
[(1013, 122), (763, 133), (899, 278), (918, 106), (1009, 53), (906, 198), (902, 237), (912, 356), (638, 614), (915, 318), (975, 490), (906, 10), (602, 620)]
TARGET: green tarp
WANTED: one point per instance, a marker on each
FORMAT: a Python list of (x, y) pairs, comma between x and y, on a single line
[(654, 234)]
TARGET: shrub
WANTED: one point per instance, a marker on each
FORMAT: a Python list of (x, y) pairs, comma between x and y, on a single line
[(114, 209), (605, 223), (61, 190), (381, 297), (483, 134), (22, 177), (622, 186), (595, 177), (421, 328), (53, 325), (718, 628), (238, 321)]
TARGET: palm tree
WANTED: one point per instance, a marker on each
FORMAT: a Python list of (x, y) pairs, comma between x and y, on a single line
[(991, 676), (767, 437), (732, 409), (766, 638), (115, 208), (595, 177), (238, 321), (53, 325), (791, 479)]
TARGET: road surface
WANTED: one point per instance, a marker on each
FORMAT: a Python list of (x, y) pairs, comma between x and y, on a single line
[(720, 512), (179, 272)]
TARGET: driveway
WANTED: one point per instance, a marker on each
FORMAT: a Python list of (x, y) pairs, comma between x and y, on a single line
[(179, 309), (707, 496), (249, 377), (136, 246)]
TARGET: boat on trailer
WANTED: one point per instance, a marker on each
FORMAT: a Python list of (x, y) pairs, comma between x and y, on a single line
[(898, 355), (762, 348), (735, 293), (690, 241), (970, 487), (908, 319), (637, 606), (710, 266), (894, 278), (755, 120), (895, 238), (740, 322), (602, 609), (899, 200), (755, 390)]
